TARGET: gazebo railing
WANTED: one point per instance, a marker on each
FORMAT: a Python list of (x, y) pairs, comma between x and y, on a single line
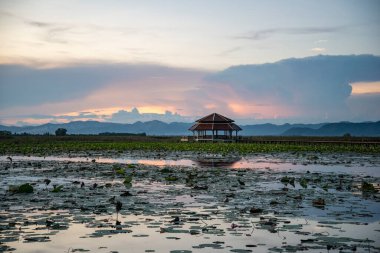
[(210, 137)]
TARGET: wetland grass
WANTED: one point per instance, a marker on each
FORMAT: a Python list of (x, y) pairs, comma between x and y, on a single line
[(41, 145)]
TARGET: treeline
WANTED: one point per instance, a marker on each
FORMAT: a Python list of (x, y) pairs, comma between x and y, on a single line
[(5, 133), (63, 132), (122, 134)]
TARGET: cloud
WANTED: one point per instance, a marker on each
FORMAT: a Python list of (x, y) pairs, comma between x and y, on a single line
[(318, 49), (27, 21), (56, 34), (101, 89), (364, 107), (230, 51), (38, 24), (321, 41), (266, 33), (365, 87), (25, 86), (120, 116), (312, 89), (37, 119), (308, 88), (61, 33), (77, 116), (124, 116)]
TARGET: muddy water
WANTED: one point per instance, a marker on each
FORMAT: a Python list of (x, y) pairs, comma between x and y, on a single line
[(363, 165), (206, 204)]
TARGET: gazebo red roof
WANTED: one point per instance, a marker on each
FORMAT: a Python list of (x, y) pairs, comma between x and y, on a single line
[(213, 118), (215, 121)]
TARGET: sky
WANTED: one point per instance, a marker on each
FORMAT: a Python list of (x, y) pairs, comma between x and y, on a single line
[(177, 60)]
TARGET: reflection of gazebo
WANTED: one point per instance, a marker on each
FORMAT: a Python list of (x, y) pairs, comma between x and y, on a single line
[(216, 162), (215, 127)]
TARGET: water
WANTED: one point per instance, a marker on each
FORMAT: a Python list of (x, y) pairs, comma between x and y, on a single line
[(144, 238), (256, 162), (212, 198)]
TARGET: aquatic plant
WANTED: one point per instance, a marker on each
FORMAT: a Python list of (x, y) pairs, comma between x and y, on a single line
[(128, 180), (24, 188), (120, 171), (325, 187), (255, 206), (126, 194), (166, 170), (313, 157), (10, 160), (255, 210), (118, 206), (42, 145), (47, 181), (57, 188), (303, 182), (288, 180), (319, 202), (368, 187), (171, 178)]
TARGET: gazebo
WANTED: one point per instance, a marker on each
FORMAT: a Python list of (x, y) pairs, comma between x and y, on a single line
[(215, 127)]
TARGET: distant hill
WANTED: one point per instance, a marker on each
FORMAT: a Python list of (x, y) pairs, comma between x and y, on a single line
[(272, 129), (156, 127), (337, 129)]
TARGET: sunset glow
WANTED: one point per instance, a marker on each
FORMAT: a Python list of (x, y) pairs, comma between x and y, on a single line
[(256, 61), (365, 88)]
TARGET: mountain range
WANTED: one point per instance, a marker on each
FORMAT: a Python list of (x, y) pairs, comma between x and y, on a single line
[(156, 127)]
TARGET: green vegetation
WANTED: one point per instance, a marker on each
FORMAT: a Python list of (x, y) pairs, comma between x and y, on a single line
[(368, 187), (120, 171), (57, 188), (288, 180), (122, 134), (166, 170), (24, 188), (303, 182), (171, 178), (45, 145), (5, 133), (61, 132), (128, 180)]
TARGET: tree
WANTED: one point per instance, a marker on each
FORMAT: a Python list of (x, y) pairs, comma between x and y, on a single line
[(60, 132), (347, 135), (5, 133)]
